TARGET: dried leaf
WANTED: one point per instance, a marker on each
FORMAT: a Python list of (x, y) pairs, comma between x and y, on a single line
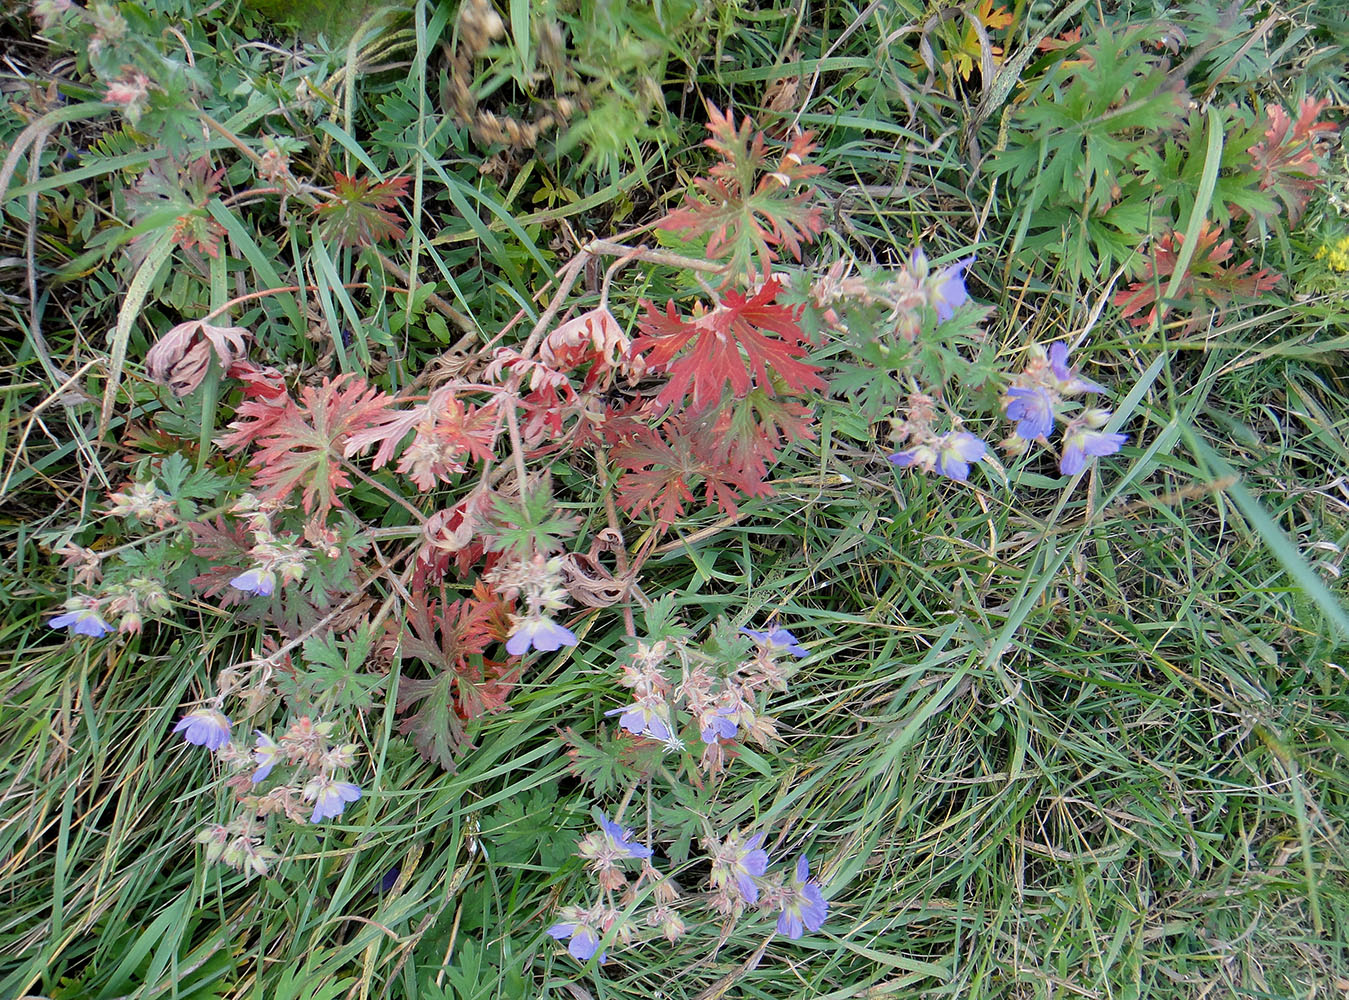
[(182, 356)]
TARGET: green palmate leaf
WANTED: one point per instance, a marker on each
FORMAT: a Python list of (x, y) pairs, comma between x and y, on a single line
[(611, 762), (530, 525), (525, 828), (1072, 152), (1170, 173), (333, 674)]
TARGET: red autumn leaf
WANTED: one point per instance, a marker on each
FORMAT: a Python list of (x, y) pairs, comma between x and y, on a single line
[(447, 433), (185, 190), (360, 212), (301, 445), (449, 637), (226, 546), (748, 206), (1289, 157), (662, 471), (1209, 276), (747, 433), (712, 346)]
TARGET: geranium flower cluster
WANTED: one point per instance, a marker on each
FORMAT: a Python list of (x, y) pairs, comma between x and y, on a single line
[(905, 293), (607, 852), (1042, 395), (539, 582), (738, 878), (718, 709), (948, 453), (274, 560), (125, 603), (1038, 398), (312, 792)]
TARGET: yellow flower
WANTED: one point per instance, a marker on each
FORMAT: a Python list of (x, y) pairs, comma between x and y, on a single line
[(1338, 254)]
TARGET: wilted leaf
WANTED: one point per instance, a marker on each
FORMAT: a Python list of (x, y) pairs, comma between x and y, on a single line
[(181, 357)]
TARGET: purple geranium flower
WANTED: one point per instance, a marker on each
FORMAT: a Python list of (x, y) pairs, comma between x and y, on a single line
[(1033, 409), (778, 638), (256, 581), (542, 634), (645, 718), (741, 864), (620, 840), (267, 754), (1081, 443), (329, 797), (85, 621), (1069, 380), (585, 940), (946, 289), (804, 909), (719, 723), (204, 727), (958, 450), (920, 455)]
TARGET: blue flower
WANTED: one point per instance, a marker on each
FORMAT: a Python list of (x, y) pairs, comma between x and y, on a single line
[(804, 909), (256, 581), (958, 449), (1033, 409), (539, 633), (741, 864), (778, 638), (645, 718), (85, 621), (267, 754), (204, 727), (920, 455), (1069, 380), (585, 941), (329, 797), (946, 289), (620, 840), (719, 723), (1081, 443)]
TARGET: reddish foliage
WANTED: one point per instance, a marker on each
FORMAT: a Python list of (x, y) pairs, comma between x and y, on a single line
[(1209, 276), (746, 206), (662, 468), (593, 336), (450, 637), (1289, 157), (185, 189), (748, 433), (714, 342), (226, 547), (453, 535), (301, 446), (447, 433), (359, 214)]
